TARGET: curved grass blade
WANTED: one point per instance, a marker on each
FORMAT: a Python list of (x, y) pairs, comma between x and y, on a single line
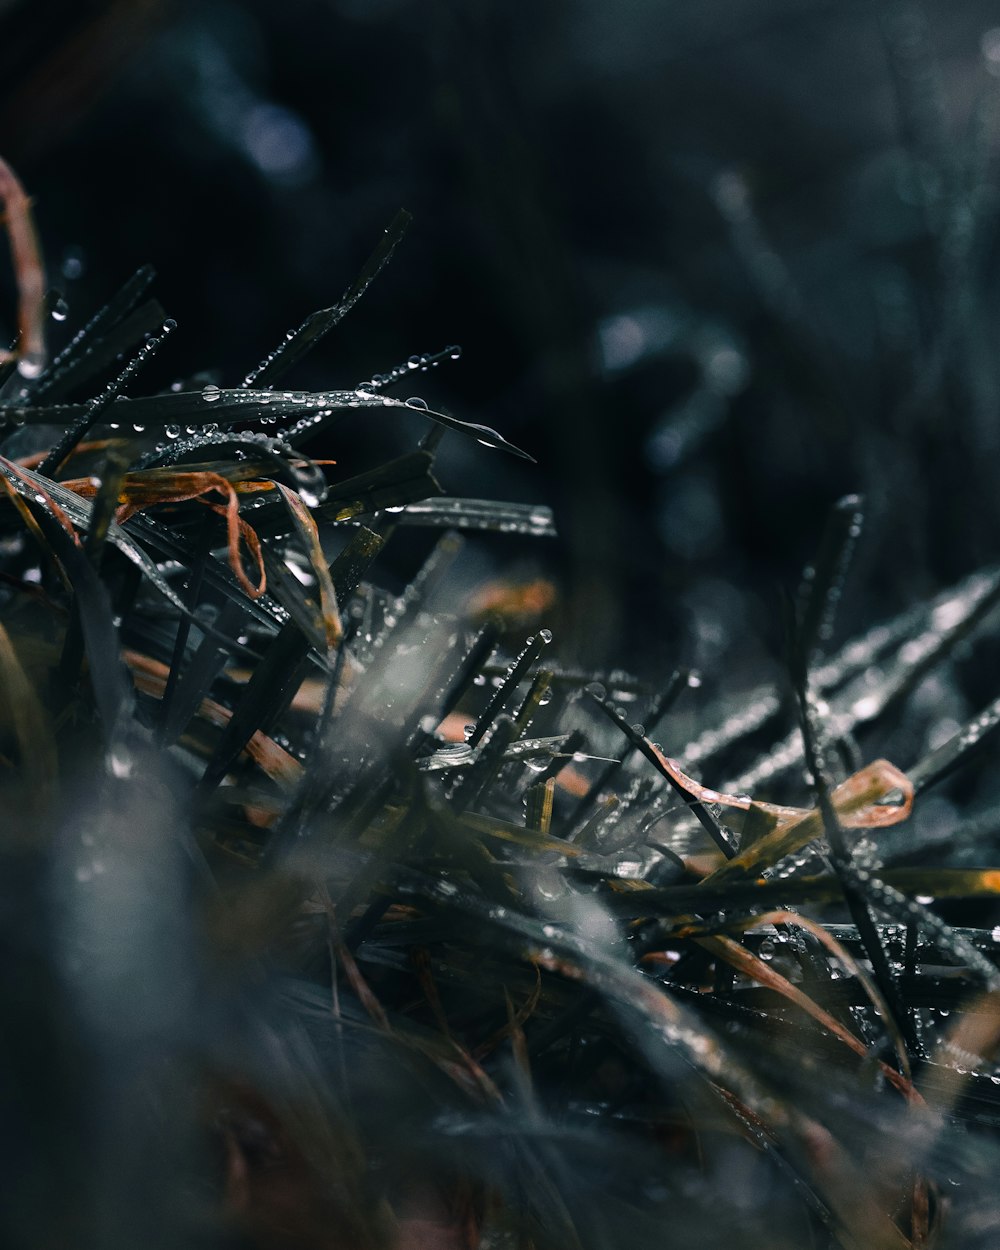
[(309, 412)]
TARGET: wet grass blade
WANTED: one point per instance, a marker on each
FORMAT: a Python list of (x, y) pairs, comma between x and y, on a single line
[(507, 688), (318, 324), (823, 582), (78, 430), (87, 351)]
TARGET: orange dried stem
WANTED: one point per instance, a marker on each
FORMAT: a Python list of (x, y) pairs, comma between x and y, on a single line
[(29, 275)]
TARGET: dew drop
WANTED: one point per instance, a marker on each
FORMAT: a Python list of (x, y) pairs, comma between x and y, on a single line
[(31, 364), (210, 393), (60, 310), (173, 431), (416, 402)]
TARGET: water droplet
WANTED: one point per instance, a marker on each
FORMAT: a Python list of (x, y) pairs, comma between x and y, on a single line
[(416, 402), (924, 899), (173, 431), (454, 351), (766, 950), (139, 429), (31, 364), (120, 764), (545, 635), (210, 393), (60, 310)]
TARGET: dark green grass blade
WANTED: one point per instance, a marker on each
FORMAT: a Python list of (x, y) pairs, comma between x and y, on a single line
[(115, 328), (320, 323), (303, 414), (505, 692), (97, 407), (823, 582), (279, 673)]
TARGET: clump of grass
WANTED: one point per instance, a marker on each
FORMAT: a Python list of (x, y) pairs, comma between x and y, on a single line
[(332, 919)]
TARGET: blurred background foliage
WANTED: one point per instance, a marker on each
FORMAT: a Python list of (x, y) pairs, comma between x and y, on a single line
[(713, 264)]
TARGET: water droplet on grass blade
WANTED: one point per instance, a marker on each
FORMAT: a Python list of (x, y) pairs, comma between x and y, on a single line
[(31, 364)]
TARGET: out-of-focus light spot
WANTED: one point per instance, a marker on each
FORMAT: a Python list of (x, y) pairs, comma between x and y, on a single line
[(278, 142), (690, 520), (732, 194), (625, 338), (726, 370), (989, 45), (622, 342), (73, 263)]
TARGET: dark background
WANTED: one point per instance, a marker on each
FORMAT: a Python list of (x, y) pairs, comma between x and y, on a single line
[(713, 264)]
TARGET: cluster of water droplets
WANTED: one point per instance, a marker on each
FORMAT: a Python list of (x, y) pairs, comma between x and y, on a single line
[(410, 367)]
